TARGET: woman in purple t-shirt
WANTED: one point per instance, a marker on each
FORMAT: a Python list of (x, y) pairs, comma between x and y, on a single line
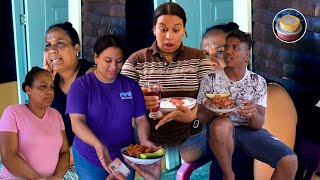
[(101, 105)]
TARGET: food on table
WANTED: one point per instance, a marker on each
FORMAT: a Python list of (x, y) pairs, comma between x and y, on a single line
[(289, 23), (219, 102)]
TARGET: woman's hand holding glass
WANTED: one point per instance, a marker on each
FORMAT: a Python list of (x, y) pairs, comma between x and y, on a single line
[(150, 101), (152, 96)]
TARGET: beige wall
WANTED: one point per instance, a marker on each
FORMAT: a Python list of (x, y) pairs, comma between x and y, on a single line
[(8, 95)]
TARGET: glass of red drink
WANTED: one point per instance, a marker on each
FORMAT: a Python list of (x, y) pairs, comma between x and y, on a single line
[(155, 91)]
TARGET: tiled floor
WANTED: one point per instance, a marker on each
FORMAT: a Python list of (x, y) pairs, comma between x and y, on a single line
[(201, 173)]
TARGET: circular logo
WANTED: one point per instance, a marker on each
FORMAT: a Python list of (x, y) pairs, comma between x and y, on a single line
[(289, 25)]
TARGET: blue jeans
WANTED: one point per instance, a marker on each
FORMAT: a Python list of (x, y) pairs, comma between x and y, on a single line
[(196, 142), (88, 171)]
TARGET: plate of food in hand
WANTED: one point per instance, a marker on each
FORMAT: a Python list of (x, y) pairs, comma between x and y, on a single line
[(168, 105), (140, 154), (219, 103)]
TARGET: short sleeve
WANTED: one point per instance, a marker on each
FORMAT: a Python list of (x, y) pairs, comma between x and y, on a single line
[(261, 92), (139, 101), (60, 120), (77, 99), (8, 121)]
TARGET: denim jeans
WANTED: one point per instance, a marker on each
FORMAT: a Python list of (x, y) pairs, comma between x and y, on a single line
[(196, 142), (88, 171), (261, 145)]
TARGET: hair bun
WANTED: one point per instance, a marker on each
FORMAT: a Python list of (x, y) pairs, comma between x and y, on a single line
[(68, 24), (233, 25), (24, 86)]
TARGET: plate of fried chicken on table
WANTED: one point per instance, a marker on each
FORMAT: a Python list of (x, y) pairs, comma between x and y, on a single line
[(140, 154), (219, 103)]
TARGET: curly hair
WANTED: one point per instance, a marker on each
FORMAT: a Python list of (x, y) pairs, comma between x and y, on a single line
[(242, 36)]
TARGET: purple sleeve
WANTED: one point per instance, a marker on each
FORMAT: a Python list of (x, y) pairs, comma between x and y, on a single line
[(77, 99), (139, 101)]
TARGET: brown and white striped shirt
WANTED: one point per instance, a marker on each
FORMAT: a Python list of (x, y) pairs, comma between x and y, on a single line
[(180, 78)]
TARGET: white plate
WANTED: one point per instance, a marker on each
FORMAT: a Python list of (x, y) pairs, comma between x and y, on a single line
[(166, 106), (218, 110), (138, 160)]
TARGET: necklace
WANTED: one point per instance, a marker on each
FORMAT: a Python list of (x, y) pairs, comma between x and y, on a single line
[(95, 72)]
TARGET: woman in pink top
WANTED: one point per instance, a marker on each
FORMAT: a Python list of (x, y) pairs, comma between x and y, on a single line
[(32, 136)]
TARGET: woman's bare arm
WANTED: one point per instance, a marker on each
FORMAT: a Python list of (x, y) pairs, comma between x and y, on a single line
[(64, 158), (80, 128), (10, 158)]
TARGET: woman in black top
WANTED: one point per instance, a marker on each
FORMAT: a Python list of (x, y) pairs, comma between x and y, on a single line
[(61, 59)]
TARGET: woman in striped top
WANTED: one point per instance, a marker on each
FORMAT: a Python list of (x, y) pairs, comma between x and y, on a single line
[(179, 69)]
